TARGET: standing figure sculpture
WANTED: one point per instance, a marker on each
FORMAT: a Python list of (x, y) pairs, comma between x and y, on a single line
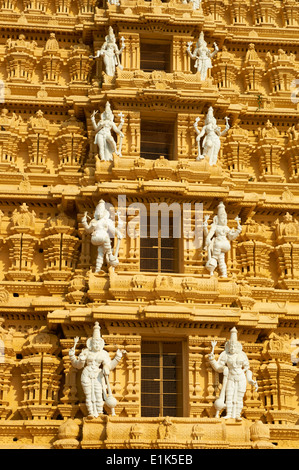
[(211, 132), (100, 228), (217, 240), (202, 56), (111, 53), (195, 3), (96, 364), (234, 365), (103, 138)]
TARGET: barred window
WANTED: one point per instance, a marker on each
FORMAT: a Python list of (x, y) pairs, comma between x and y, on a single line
[(159, 254), (161, 379), (155, 56)]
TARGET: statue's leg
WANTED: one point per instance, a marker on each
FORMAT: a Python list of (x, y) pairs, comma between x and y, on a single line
[(101, 145), (99, 397), (239, 405), (108, 251), (87, 389), (100, 258), (222, 265), (229, 400)]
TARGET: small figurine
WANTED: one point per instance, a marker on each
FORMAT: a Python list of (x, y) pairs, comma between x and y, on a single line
[(202, 56), (111, 53), (96, 364), (234, 365), (103, 138), (100, 228), (217, 242), (195, 3), (211, 143)]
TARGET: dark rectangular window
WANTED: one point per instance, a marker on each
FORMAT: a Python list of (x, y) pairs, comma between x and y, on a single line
[(155, 56), (160, 254), (157, 139), (161, 379)]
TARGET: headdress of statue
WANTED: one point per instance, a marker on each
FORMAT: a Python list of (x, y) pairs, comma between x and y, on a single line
[(221, 212), (95, 336), (101, 208), (233, 340), (210, 115), (108, 114), (111, 34)]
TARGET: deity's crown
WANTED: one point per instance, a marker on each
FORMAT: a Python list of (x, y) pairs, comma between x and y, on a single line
[(96, 331), (221, 209), (233, 335)]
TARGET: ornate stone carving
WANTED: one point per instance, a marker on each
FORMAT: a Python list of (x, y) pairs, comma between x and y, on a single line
[(111, 53), (20, 59), (217, 240), (94, 380), (100, 228), (234, 365), (103, 137), (211, 134), (202, 56)]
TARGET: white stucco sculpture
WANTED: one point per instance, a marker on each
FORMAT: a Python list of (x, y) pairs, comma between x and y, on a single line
[(103, 137), (217, 240), (202, 56), (211, 134), (101, 227), (234, 365), (96, 365), (195, 3), (111, 53)]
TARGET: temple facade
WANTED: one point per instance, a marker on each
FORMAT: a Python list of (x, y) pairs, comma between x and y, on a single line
[(149, 224)]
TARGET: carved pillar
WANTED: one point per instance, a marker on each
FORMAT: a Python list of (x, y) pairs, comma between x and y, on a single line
[(68, 403), (71, 144), (9, 140), (36, 6), (253, 250), (287, 252), (79, 63), (7, 362), (281, 71), (51, 61), (38, 139), (60, 248), (41, 376), (130, 57), (292, 153), (253, 71), (277, 380), (21, 244), (129, 368), (225, 69), (236, 151), (265, 12), (290, 10), (20, 59), (181, 60), (238, 11), (269, 150), (196, 364)]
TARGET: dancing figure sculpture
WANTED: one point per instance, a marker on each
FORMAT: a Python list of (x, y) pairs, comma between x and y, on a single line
[(202, 56), (103, 137), (111, 53), (101, 227), (217, 240), (96, 365), (211, 132), (234, 365)]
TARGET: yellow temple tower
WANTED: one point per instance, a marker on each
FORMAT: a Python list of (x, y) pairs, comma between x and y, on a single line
[(173, 124)]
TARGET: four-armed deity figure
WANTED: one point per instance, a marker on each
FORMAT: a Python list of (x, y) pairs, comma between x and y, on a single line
[(234, 365), (103, 137), (217, 240), (211, 142), (111, 53), (96, 364), (202, 56), (100, 228)]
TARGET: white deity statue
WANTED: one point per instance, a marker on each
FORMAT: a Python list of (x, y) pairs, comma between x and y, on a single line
[(211, 132), (234, 365), (103, 137), (101, 227), (217, 240), (111, 53), (113, 2), (195, 3), (96, 364), (202, 56)]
